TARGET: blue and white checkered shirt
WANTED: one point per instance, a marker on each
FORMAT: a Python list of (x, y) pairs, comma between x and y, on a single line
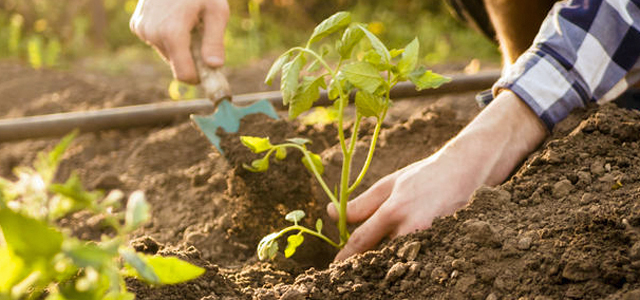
[(586, 50)]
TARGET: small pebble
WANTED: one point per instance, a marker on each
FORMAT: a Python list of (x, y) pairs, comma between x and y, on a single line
[(409, 251), (524, 243), (397, 270), (562, 188)]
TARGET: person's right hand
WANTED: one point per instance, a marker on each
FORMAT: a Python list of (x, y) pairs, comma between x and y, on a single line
[(167, 24)]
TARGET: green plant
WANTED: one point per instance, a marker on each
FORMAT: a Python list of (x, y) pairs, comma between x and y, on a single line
[(370, 74), (42, 260)]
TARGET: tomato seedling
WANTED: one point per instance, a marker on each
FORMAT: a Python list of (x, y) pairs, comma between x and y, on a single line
[(42, 260), (370, 74)]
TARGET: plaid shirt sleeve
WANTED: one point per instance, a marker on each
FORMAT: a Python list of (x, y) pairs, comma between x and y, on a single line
[(586, 50)]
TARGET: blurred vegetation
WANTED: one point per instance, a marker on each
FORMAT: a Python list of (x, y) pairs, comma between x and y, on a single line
[(58, 33)]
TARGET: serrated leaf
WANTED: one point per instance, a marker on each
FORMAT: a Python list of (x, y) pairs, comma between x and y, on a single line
[(377, 45), (293, 241), (319, 225), (256, 144), (290, 74), (363, 75), (277, 66), (172, 270), (28, 238), (330, 25), (425, 79), (409, 58), (299, 141), (308, 92), (350, 38), (316, 160), (137, 211), (281, 153), (369, 105), (258, 165), (294, 216)]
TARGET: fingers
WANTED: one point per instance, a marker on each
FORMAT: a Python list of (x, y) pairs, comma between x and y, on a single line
[(215, 20), (363, 206), (365, 237), (176, 46)]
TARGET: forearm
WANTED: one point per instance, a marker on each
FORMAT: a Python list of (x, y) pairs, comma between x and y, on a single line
[(496, 141)]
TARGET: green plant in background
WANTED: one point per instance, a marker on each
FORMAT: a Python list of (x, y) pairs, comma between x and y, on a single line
[(41, 260), (370, 74)]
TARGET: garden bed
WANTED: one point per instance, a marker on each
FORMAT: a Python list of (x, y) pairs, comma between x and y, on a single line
[(565, 225)]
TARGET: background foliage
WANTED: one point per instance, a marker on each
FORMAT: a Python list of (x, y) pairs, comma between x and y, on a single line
[(59, 33)]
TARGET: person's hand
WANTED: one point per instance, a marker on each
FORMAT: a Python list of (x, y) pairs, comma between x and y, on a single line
[(485, 152), (167, 24)]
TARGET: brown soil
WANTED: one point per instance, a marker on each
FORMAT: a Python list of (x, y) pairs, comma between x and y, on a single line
[(565, 225)]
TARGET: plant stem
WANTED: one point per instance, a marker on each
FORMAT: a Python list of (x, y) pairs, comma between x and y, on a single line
[(308, 231), (314, 54), (372, 148)]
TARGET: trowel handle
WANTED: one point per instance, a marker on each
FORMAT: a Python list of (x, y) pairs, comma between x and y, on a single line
[(212, 80)]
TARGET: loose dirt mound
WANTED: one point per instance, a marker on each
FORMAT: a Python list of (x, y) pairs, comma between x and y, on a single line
[(566, 225)]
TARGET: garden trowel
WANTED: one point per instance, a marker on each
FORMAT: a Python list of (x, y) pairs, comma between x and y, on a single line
[(226, 115)]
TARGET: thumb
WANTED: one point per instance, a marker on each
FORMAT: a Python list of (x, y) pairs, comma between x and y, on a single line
[(363, 206), (216, 15)]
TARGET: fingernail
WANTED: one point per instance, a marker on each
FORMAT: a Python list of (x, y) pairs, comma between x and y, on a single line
[(214, 61)]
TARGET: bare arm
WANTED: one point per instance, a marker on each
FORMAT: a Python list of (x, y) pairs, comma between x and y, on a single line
[(484, 152)]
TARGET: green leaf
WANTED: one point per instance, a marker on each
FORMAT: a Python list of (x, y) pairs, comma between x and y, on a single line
[(363, 75), (373, 58), (319, 225), (28, 238), (281, 153), (294, 216), (290, 74), (13, 270), (293, 241), (258, 165), (137, 210), (308, 92), (277, 65), (256, 144), (141, 268), (409, 58), (395, 52), (268, 246), (335, 84), (172, 270), (316, 160), (85, 254), (46, 164), (377, 45), (77, 197), (299, 141), (424, 79), (330, 25), (321, 115), (369, 105), (350, 38)]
